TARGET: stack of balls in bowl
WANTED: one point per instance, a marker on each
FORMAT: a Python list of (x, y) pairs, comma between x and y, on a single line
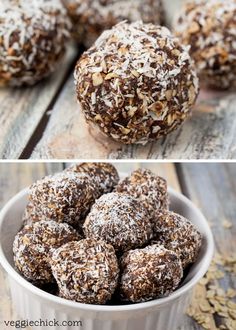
[(137, 82), (100, 240)]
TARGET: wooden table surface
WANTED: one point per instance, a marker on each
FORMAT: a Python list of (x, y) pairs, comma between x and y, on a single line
[(212, 187), (46, 122)]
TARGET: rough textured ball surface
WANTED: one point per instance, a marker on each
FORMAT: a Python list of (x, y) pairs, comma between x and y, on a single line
[(91, 17), (120, 220), (178, 234), (137, 83), (63, 197), (149, 273), (34, 244), (32, 39), (209, 27), (104, 175), (148, 188), (31, 215), (86, 271)]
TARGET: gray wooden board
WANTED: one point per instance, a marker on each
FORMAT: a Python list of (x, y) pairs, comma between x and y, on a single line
[(21, 109), (212, 187), (209, 133)]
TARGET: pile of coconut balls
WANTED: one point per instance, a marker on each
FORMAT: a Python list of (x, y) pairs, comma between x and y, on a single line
[(97, 239)]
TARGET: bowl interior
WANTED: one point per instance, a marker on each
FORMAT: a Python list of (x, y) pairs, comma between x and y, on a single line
[(11, 222)]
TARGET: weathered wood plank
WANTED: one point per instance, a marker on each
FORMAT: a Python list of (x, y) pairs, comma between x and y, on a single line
[(21, 109), (212, 187), (209, 133)]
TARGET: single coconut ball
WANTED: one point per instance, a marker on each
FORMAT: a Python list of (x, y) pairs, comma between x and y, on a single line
[(86, 271), (120, 220), (137, 83), (91, 17), (149, 273), (104, 175), (178, 234), (62, 197), (33, 246), (148, 188), (32, 39), (209, 27)]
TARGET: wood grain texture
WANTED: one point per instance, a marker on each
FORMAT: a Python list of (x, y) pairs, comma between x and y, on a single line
[(21, 109), (212, 187), (209, 133)]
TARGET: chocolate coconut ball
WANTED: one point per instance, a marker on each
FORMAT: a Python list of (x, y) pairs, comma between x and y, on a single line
[(34, 244), (91, 17), (86, 271), (120, 220), (209, 27), (32, 39), (178, 234), (149, 273), (148, 188), (63, 197), (104, 175), (137, 83), (32, 214)]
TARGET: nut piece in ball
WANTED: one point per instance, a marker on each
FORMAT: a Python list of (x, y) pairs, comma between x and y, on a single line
[(137, 83), (33, 246), (32, 39), (148, 188), (209, 27), (149, 273), (120, 220), (86, 271), (178, 234), (91, 17), (104, 175), (63, 197)]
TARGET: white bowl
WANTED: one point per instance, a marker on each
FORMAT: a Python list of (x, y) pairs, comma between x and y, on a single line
[(165, 313)]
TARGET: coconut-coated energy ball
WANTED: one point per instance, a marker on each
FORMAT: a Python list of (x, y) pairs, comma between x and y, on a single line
[(32, 39), (209, 27), (137, 83), (120, 220), (178, 234), (34, 244), (91, 17), (86, 271), (149, 273), (104, 175), (63, 197), (148, 188)]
